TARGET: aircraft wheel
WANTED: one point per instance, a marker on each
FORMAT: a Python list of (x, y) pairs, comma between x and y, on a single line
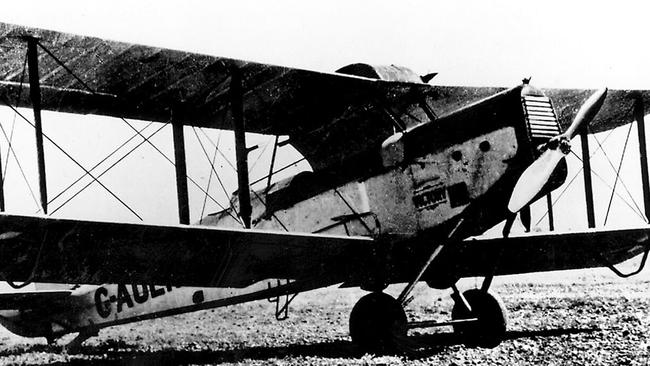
[(490, 329), (377, 323)]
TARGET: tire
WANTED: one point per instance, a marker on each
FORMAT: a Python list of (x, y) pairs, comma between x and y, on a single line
[(377, 323), (490, 329)]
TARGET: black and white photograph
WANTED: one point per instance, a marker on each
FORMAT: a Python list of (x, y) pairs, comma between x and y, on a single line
[(324, 183)]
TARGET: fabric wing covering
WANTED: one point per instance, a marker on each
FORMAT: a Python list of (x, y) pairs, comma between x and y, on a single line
[(74, 251), (331, 118)]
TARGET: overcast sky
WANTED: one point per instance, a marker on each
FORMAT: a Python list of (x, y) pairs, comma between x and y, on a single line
[(558, 43)]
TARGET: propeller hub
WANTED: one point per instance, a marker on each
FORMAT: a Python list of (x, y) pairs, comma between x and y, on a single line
[(560, 142), (533, 179)]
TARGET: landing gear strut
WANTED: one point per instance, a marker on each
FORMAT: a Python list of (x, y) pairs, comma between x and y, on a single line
[(378, 323), (489, 328)]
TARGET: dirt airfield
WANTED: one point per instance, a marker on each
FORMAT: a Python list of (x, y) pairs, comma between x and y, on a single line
[(586, 317)]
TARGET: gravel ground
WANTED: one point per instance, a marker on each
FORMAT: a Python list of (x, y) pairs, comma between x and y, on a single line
[(575, 317)]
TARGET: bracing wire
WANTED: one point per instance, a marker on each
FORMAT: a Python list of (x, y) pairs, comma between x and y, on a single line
[(85, 85), (636, 208), (74, 161), (623, 199), (212, 167), (568, 185), (207, 188), (618, 173), (259, 157), (235, 169), (602, 180), (20, 168), (279, 170), (106, 170), (220, 152), (115, 151), (13, 122), (215, 171), (172, 163), (611, 164)]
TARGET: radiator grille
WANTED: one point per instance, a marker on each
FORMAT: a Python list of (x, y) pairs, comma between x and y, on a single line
[(540, 117)]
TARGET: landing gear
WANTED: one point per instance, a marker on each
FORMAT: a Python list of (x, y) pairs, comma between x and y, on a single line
[(378, 323), (489, 329)]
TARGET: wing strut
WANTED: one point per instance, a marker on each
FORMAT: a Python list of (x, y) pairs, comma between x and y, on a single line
[(181, 173), (272, 165), (35, 96), (589, 191), (643, 154), (241, 151), (549, 204)]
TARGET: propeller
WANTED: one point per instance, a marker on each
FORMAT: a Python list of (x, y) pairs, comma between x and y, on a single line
[(533, 179)]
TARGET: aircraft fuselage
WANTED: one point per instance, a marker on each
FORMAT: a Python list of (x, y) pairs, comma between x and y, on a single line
[(455, 173), (91, 307)]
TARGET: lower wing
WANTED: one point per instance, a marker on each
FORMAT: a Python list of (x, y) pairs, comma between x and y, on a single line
[(546, 252), (72, 251)]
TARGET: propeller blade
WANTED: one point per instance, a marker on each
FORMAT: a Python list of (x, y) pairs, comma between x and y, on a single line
[(533, 179), (587, 112)]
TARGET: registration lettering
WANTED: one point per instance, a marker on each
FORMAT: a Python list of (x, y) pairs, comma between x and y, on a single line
[(127, 296)]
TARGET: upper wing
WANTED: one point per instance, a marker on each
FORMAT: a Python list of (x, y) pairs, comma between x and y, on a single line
[(41, 299), (546, 252), (71, 251), (616, 110), (328, 116), (331, 118)]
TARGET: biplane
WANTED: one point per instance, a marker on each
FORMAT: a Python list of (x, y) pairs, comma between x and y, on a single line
[(404, 175)]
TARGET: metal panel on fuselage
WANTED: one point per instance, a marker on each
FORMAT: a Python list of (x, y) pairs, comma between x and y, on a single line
[(446, 182)]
